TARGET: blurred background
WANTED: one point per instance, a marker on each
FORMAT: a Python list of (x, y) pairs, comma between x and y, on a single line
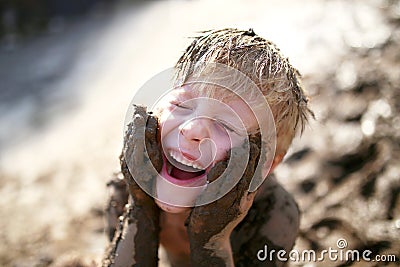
[(68, 70)]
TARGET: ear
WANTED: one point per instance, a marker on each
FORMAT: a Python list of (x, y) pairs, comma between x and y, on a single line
[(266, 170)]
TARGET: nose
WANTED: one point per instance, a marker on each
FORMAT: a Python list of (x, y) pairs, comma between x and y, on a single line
[(196, 129)]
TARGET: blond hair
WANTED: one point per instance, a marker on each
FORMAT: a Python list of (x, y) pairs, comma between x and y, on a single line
[(261, 61)]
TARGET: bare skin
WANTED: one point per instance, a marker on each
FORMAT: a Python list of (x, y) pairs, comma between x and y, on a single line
[(199, 132), (136, 240), (272, 220), (194, 237)]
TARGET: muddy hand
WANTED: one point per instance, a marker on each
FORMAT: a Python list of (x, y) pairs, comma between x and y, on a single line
[(209, 226), (136, 241), (141, 159)]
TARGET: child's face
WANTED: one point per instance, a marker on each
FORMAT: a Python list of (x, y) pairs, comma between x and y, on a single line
[(198, 131)]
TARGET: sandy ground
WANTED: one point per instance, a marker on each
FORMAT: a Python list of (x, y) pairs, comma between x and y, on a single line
[(64, 95)]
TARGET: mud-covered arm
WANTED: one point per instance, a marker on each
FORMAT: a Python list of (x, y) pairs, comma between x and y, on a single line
[(136, 240), (210, 226), (116, 204)]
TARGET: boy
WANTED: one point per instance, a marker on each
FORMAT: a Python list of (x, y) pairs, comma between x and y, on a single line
[(206, 127)]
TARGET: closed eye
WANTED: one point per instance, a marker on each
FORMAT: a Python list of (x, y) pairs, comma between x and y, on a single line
[(181, 105)]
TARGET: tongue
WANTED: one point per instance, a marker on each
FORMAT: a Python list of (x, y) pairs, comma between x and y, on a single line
[(183, 175)]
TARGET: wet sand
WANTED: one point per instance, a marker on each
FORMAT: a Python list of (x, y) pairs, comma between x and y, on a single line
[(66, 94)]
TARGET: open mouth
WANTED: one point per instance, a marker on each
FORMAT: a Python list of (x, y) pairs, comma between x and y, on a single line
[(180, 171)]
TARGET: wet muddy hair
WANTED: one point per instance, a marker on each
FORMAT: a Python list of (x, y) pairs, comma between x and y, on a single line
[(261, 61)]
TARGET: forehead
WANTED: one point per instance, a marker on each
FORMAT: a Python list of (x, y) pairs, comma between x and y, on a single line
[(219, 93)]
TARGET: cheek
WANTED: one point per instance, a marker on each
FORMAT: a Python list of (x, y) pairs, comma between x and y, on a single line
[(224, 143), (166, 126), (233, 141), (168, 122)]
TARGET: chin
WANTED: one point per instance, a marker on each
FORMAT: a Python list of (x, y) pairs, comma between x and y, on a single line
[(171, 209)]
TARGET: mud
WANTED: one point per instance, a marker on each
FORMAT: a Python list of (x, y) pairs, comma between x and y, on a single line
[(142, 152), (116, 204), (208, 221), (350, 67), (250, 230), (228, 172), (140, 221), (137, 240), (347, 177), (272, 221)]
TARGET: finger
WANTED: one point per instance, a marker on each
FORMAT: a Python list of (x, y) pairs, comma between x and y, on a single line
[(234, 173), (230, 203), (142, 152), (133, 151), (254, 160), (115, 205), (152, 141)]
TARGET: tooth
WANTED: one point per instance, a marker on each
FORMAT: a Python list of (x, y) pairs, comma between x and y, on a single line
[(176, 156)]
